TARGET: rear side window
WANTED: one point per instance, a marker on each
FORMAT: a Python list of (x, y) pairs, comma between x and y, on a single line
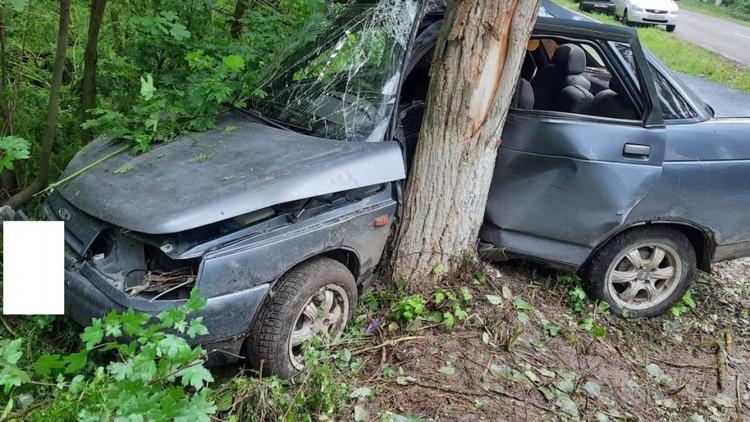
[(673, 105)]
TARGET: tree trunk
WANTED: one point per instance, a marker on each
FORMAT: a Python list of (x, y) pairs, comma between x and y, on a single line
[(8, 177), (90, 58), (53, 111), (239, 10), (475, 69)]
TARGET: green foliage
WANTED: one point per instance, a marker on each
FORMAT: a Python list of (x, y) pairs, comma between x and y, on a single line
[(683, 306), (12, 148), (409, 309), (450, 306), (155, 374)]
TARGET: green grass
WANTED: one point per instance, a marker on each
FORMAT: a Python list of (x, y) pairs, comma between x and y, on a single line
[(722, 12), (683, 56)]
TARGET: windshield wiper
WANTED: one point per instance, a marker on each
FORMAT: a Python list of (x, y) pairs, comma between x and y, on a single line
[(260, 116)]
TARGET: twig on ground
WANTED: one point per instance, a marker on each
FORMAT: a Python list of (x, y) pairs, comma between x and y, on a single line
[(387, 343)]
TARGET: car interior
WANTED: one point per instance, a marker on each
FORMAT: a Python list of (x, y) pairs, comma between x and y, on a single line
[(557, 75)]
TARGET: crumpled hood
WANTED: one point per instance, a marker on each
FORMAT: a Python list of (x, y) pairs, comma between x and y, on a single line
[(241, 166)]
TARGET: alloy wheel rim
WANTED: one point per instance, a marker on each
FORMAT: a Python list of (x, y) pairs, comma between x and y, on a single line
[(643, 276), (324, 314)]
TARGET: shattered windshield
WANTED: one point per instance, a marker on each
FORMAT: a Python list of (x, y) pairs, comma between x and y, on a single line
[(342, 84)]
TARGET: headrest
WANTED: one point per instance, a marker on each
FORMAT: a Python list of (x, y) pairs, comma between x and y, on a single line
[(524, 95), (570, 59)]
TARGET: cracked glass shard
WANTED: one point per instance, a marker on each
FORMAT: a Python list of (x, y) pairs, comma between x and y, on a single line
[(341, 83)]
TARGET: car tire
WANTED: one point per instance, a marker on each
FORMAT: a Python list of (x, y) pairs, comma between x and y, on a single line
[(634, 285), (671, 28), (299, 303), (625, 19)]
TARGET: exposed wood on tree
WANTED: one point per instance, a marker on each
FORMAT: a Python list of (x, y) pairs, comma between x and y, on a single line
[(476, 66), (90, 59), (239, 10), (53, 111)]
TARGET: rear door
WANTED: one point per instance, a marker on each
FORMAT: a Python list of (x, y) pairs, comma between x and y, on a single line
[(564, 182)]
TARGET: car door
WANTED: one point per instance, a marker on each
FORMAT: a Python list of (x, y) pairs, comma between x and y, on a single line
[(564, 182)]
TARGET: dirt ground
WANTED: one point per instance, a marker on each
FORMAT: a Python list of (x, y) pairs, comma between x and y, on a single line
[(539, 358)]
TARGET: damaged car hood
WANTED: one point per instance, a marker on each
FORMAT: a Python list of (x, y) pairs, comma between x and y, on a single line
[(240, 167)]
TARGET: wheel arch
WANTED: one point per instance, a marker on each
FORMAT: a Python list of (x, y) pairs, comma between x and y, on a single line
[(700, 237)]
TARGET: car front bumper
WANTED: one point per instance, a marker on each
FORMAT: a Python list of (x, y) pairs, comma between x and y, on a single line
[(227, 317), (651, 18)]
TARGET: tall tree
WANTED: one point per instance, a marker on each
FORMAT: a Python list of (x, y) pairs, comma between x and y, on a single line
[(476, 66), (90, 59), (7, 178), (239, 10), (53, 111)]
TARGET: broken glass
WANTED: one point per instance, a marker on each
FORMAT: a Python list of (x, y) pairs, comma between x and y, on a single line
[(343, 82)]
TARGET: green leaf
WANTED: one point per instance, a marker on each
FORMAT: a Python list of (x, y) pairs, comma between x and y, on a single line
[(147, 87), (523, 317), (494, 299), (447, 370), (196, 376), (197, 328), (18, 6), (567, 405), (10, 351), (93, 334), (13, 148), (12, 376), (74, 362), (48, 363), (234, 62), (521, 304), (132, 322), (361, 392), (196, 302), (598, 331)]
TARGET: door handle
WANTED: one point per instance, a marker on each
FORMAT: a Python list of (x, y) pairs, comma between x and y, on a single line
[(636, 151)]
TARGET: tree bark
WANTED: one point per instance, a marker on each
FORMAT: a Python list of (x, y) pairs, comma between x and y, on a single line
[(7, 177), (90, 59), (475, 69), (239, 10), (53, 111)]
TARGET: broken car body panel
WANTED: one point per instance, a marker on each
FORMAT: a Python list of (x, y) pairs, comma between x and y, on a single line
[(205, 178)]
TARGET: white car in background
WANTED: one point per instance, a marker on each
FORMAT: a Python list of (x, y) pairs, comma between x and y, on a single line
[(650, 12)]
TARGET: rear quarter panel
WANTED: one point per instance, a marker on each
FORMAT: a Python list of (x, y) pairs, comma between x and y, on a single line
[(705, 181)]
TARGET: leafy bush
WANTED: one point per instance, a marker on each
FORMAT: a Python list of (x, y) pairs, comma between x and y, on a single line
[(151, 372)]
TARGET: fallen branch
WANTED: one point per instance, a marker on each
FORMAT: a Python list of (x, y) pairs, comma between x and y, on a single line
[(387, 343)]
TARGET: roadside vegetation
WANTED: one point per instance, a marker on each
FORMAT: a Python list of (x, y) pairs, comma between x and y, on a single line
[(500, 342), (508, 341), (680, 55), (733, 10)]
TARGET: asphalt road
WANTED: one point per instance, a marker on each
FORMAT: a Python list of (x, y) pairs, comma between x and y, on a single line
[(727, 38)]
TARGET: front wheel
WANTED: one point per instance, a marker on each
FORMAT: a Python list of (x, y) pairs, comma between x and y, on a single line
[(671, 28), (316, 298), (625, 19), (642, 272)]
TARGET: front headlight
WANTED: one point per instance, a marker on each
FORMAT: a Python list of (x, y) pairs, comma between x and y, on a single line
[(637, 8)]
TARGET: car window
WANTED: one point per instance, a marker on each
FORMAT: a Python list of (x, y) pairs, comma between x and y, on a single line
[(577, 80), (593, 55), (673, 105)]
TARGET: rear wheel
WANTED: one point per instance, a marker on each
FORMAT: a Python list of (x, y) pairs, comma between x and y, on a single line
[(642, 272), (671, 28), (317, 298)]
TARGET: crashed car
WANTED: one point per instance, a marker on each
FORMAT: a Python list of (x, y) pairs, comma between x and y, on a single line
[(610, 166)]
